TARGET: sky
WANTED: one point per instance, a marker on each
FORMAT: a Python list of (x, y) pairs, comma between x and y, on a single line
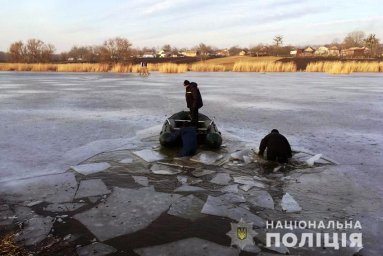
[(186, 23)]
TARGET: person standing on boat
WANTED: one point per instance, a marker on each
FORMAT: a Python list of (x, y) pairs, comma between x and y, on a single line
[(193, 101), (278, 147)]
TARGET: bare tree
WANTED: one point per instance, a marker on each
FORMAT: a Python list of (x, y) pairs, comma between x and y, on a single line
[(204, 50), (33, 50), (372, 43), (354, 39), (17, 52), (119, 49), (47, 51), (278, 39), (234, 50)]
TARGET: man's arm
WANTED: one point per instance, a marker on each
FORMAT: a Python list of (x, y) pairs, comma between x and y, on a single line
[(263, 145)]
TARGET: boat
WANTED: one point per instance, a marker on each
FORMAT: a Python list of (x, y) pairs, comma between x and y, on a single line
[(208, 133)]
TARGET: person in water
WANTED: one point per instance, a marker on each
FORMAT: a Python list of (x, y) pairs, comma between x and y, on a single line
[(193, 101), (278, 147), (189, 139)]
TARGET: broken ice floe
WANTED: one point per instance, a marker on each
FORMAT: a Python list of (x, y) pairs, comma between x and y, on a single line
[(230, 188), (189, 246), (218, 207), (55, 188), (188, 207), (247, 180), (182, 179), (35, 230), (260, 198), (207, 157), (86, 169), (164, 170), (142, 180), (232, 198), (200, 173), (149, 155), (289, 204), (64, 207), (95, 249), (187, 188), (91, 188), (243, 155), (127, 160), (126, 211), (312, 160), (221, 179)]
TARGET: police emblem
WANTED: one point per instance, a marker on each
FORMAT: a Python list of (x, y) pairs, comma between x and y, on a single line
[(241, 234)]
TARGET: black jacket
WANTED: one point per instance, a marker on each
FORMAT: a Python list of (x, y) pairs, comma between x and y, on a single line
[(193, 96), (276, 144)]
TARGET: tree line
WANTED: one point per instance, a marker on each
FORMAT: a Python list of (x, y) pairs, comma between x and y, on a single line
[(120, 49)]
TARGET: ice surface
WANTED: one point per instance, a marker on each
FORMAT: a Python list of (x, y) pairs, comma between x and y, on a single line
[(182, 179), (126, 211), (221, 179), (64, 207), (200, 173), (86, 169), (187, 188), (93, 187), (289, 204), (260, 198), (218, 207), (188, 247), (149, 155), (142, 180), (164, 170), (54, 188), (244, 155), (127, 160), (7, 216), (35, 230), (232, 198), (149, 132), (247, 180), (188, 207), (230, 188), (312, 160), (207, 157), (246, 187), (95, 249)]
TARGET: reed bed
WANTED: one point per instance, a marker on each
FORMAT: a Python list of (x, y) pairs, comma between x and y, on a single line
[(121, 68), (205, 67), (264, 66), (338, 67), (83, 67), (172, 68)]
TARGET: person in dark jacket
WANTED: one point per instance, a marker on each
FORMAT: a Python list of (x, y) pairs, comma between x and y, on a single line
[(278, 147), (193, 101)]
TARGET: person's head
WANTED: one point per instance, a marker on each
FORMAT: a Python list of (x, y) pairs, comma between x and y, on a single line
[(274, 131), (186, 82)]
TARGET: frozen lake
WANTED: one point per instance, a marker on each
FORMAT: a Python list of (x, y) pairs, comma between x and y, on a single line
[(47, 119)]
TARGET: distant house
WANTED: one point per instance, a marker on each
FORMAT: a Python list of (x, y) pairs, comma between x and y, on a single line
[(222, 53), (148, 55), (333, 51), (355, 52), (190, 53), (309, 51), (242, 53), (322, 51), (296, 52), (163, 54)]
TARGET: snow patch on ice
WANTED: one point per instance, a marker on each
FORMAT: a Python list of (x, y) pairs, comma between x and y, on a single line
[(149, 155), (86, 169), (289, 204), (91, 188)]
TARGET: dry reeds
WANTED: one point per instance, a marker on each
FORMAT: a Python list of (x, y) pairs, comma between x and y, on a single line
[(264, 66), (8, 247), (205, 67), (172, 68), (347, 67), (83, 67)]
